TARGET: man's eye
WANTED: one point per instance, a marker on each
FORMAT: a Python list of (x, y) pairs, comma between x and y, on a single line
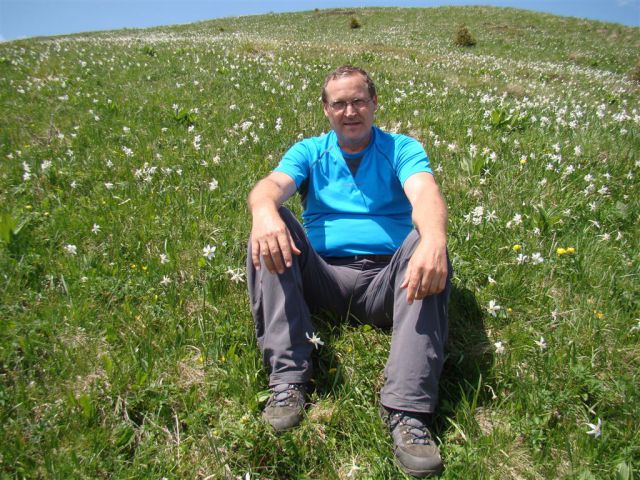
[(339, 105)]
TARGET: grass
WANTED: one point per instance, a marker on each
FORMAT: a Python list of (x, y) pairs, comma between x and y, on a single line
[(125, 353)]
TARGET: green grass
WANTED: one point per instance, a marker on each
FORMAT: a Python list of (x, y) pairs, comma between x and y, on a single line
[(135, 357)]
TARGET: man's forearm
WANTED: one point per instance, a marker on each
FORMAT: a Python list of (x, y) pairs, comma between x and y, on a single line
[(430, 215), (268, 194)]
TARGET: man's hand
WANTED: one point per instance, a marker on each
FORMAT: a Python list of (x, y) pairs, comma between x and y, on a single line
[(427, 270), (271, 240)]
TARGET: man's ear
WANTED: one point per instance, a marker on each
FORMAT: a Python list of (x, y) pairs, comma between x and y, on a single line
[(325, 107), (375, 103)]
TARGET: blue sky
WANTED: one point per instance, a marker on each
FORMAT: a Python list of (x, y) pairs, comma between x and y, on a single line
[(28, 18)]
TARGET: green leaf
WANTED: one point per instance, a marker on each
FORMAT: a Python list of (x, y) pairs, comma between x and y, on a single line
[(624, 471), (7, 226)]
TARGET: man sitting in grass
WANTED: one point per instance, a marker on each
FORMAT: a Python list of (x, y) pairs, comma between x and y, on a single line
[(358, 255)]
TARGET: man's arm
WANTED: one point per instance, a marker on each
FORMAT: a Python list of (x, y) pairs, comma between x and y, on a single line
[(427, 271), (270, 237)]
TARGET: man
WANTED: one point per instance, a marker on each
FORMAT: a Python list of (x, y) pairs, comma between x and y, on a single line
[(357, 255)]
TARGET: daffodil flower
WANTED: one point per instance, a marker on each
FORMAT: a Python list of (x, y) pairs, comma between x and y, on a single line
[(314, 339)]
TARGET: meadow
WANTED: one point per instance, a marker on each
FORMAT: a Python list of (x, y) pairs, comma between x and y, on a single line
[(127, 347)]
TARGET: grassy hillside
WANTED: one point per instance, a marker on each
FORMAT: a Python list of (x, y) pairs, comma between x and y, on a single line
[(125, 353)]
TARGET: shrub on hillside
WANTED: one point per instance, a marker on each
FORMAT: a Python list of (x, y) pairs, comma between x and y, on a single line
[(463, 37), (355, 23)]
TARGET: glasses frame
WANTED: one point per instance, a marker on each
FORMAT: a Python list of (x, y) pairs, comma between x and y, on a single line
[(335, 106)]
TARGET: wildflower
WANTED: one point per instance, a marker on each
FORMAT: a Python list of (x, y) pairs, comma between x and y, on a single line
[(499, 347), (636, 327), (517, 247), (236, 275), (516, 220), (491, 280), (108, 185), (493, 308), (537, 258), (165, 280), (70, 249), (127, 151), (541, 343), (522, 259), (209, 252), (95, 229), (571, 250), (605, 237), (213, 184), (596, 430), (164, 258), (45, 165), (314, 339)]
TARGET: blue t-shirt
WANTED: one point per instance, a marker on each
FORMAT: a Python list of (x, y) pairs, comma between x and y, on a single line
[(365, 213)]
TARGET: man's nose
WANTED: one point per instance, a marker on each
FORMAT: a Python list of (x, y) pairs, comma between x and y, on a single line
[(350, 109)]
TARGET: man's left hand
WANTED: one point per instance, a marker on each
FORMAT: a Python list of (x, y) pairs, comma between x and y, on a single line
[(427, 270)]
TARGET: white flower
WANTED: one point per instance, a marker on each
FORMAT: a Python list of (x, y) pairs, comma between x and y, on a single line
[(537, 258), (213, 184), (596, 430), (70, 249), (522, 259), (236, 275), (46, 164), (164, 258), (108, 185), (314, 339), (491, 280), (493, 308), (636, 327), (95, 229), (209, 252), (165, 280), (499, 347), (541, 343)]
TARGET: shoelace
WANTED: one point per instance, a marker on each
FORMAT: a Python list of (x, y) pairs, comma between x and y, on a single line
[(417, 428), (282, 394)]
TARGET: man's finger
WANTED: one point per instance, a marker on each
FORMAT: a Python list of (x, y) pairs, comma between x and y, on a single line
[(276, 256), (255, 254), (285, 248)]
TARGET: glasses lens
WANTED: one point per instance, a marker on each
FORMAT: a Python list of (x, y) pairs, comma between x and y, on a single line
[(356, 103)]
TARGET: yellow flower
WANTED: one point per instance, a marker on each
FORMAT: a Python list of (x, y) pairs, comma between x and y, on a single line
[(598, 314), (144, 267), (133, 266), (509, 310), (523, 161), (560, 251), (571, 250), (516, 247)]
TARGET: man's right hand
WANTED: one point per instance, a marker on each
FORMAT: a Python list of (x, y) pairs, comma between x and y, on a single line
[(271, 240)]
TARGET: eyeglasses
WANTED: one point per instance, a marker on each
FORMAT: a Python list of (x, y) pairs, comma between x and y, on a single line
[(357, 103)]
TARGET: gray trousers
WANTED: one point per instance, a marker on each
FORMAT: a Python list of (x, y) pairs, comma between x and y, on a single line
[(365, 290)]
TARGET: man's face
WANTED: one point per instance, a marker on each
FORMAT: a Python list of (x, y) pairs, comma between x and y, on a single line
[(352, 124)]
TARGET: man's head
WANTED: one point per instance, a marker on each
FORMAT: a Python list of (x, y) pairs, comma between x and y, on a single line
[(350, 101)]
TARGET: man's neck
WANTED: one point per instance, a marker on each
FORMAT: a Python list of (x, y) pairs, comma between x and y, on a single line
[(356, 148)]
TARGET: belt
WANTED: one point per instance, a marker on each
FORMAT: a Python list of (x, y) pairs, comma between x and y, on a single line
[(358, 258)]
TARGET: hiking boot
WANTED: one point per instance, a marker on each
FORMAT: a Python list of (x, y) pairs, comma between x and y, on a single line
[(413, 446), (285, 407)]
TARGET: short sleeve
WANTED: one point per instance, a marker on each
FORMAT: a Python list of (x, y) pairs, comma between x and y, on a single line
[(410, 158), (295, 162)]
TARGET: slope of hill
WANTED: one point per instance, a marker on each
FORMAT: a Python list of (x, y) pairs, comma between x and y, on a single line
[(125, 352)]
